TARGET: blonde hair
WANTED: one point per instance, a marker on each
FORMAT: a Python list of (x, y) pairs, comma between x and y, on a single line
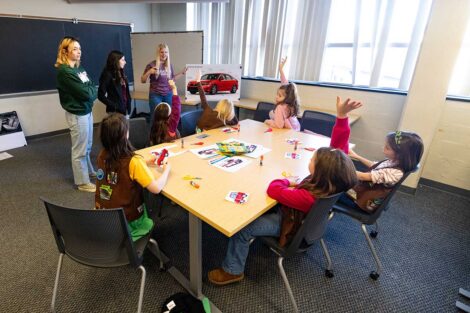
[(225, 110), (62, 51), (167, 63)]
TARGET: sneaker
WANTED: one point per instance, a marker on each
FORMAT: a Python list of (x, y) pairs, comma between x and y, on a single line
[(220, 277), (87, 187)]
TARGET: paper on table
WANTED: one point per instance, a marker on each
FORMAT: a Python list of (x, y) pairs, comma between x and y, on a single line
[(232, 164), (5, 155), (206, 152)]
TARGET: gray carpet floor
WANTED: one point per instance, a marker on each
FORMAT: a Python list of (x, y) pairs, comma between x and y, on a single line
[(423, 242)]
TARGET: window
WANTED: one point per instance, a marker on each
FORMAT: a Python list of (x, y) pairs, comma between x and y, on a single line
[(359, 42)]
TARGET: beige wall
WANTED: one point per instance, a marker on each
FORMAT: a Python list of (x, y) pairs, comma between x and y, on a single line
[(42, 114), (448, 159)]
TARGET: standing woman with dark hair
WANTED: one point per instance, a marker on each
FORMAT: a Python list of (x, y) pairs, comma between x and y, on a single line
[(114, 86), (77, 93)]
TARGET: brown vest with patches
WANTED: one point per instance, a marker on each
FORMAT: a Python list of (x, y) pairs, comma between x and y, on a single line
[(369, 196), (115, 189)]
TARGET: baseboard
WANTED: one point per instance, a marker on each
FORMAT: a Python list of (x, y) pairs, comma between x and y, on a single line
[(407, 190), (452, 189), (53, 133)]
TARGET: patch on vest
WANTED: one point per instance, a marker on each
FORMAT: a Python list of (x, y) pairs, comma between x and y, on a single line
[(99, 174), (105, 192), (112, 178)]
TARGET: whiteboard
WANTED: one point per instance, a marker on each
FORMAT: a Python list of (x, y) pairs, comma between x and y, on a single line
[(185, 48)]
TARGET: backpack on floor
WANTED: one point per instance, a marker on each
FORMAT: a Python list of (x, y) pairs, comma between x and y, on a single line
[(182, 302)]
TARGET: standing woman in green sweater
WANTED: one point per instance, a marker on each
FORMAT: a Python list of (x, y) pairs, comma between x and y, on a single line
[(77, 93)]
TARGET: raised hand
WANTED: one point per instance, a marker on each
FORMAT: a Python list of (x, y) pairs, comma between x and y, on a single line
[(172, 84), (343, 108), (198, 75), (282, 63)]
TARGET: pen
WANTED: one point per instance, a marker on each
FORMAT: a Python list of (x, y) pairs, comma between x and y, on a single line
[(217, 160)]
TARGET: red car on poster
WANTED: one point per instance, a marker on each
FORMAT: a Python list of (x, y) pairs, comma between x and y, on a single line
[(215, 82)]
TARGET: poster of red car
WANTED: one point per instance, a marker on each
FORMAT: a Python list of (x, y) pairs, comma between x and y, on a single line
[(219, 81)]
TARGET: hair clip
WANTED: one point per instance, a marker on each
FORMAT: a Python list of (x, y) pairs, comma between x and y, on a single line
[(398, 137)]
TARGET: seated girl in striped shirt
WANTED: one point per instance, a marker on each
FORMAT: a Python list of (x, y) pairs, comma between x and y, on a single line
[(403, 151)]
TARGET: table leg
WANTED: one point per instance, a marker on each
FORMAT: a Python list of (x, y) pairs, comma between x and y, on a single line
[(195, 255)]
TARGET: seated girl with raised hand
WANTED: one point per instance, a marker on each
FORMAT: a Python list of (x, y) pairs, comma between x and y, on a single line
[(287, 105), (122, 175), (331, 171), (165, 120), (222, 115), (402, 151)]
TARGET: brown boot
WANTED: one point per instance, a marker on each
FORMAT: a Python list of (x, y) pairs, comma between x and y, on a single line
[(221, 277)]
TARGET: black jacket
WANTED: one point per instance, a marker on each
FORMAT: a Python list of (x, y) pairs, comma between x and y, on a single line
[(110, 93)]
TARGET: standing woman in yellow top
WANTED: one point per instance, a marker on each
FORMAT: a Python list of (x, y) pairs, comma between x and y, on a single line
[(77, 94)]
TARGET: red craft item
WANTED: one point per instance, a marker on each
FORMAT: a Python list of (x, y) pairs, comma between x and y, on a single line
[(162, 157), (268, 130)]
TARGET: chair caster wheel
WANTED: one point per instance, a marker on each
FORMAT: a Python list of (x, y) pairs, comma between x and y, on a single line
[(373, 234), (329, 273), (374, 275)]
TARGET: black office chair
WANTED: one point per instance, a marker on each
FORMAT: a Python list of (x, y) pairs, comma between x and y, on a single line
[(366, 218), (312, 229), (188, 122), (97, 238), (262, 111), (318, 122), (138, 132)]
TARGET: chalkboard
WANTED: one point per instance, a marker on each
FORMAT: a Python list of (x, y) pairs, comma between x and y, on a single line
[(29, 50)]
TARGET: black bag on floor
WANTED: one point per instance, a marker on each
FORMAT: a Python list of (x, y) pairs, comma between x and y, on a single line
[(182, 302)]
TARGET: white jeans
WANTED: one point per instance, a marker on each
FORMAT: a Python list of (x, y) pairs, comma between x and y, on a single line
[(81, 133)]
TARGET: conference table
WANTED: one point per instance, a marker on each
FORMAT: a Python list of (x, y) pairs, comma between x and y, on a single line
[(208, 204)]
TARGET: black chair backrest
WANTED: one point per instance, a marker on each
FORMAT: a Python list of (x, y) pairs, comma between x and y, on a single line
[(313, 226), (262, 111), (318, 122), (97, 238), (384, 205), (188, 122), (138, 132)]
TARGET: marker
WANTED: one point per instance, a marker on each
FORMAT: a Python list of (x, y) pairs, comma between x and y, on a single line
[(295, 145), (194, 184), (182, 143), (217, 160), (261, 160)]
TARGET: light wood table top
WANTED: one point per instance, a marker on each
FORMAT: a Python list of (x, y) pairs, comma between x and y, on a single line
[(208, 202)]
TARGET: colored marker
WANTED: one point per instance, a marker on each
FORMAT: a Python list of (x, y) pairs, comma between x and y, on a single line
[(194, 184), (295, 145), (217, 160), (261, 160), (182, 143)]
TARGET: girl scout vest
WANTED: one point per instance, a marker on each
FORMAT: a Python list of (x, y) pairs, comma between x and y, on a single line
[(369, 196), (115, 189)]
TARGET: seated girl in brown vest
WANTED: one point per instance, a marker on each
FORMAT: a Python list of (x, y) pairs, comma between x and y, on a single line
[(403, 151), (122, 175), (165, 120), (222, 115)]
